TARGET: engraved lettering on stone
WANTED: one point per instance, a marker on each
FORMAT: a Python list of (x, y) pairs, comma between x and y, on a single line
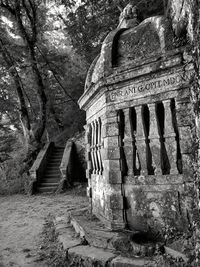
[(152, 86)]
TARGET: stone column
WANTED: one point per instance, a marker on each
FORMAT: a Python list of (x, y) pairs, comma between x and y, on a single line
[(96, 146), (99, 144), (128, 141), (184, 126), (170, 138), (141, 141), (112, 169), (154, 138), (88, 140), (93, 152), (111, 148)]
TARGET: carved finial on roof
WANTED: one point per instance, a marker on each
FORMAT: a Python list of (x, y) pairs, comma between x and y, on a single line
[(128, 17)]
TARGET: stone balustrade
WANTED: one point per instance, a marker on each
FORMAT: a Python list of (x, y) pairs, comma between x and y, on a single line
[(150, 141), (65, 167)]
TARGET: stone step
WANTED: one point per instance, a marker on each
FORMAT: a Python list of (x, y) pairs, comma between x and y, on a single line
[(78, 251), (52, 172), (59, 148), (53, 164), (98, 235), (133, 262), (54, 159), (49, 180), (93, 230), (91, 256), (52, 169), (59, 152), (56, 154), (48, 184), (52, 175), (46, 189)]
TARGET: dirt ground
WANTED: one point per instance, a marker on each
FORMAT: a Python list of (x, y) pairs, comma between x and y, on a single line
[(22, 220)]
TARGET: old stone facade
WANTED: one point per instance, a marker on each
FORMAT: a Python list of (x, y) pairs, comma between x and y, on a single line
[(138, 132)]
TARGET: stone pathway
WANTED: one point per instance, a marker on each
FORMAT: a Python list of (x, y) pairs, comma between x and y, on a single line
[(81, 253), (21, 223)]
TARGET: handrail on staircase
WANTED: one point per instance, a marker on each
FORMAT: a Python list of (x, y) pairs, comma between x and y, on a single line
[(66, 166), (39, 165)]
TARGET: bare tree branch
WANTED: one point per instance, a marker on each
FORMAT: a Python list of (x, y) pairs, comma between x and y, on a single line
[(55, 76)]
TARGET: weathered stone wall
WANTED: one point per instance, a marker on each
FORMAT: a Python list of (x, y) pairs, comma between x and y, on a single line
[(156, 203)]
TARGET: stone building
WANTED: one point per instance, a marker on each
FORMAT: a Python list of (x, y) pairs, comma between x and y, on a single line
[(138, 132)]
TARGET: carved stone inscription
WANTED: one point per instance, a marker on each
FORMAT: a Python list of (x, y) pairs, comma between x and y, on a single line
[(153, 86)]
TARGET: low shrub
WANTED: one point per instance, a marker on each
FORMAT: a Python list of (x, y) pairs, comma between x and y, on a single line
[(12, 181)]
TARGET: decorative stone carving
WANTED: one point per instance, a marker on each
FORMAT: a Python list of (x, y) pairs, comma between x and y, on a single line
[(128, 17)]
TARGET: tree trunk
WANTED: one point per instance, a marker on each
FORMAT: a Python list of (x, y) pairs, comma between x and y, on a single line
[(41, 96), (23, 111)]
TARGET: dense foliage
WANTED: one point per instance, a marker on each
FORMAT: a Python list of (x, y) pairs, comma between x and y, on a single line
[(41, 80), (89, 24)]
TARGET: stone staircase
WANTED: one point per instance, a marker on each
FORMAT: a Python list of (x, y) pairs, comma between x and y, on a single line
[(51, 176)]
